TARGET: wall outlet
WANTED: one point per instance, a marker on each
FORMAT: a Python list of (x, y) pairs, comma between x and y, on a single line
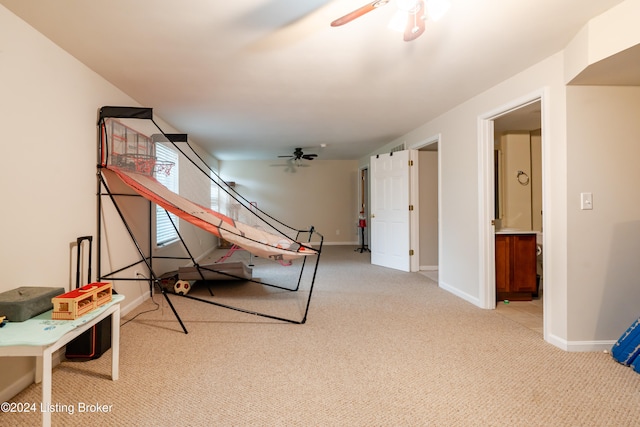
[(337, 232)]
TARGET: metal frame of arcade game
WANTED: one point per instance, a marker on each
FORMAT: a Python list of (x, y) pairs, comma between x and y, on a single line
[(132, 160)]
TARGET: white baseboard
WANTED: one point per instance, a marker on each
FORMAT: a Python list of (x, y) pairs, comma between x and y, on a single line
[(205, 254), (202, 256), (341, 244), (28, 378), (133, 304), (428, 268), (580, 346), (20, 384), (465, 296)]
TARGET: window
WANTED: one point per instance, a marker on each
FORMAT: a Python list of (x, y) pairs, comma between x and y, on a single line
[(215, 190), (165, 233)]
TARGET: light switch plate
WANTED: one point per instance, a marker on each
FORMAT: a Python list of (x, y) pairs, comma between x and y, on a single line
[(586, 201)]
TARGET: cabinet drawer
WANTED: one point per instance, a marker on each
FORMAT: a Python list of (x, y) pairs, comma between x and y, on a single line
[(515, 266)]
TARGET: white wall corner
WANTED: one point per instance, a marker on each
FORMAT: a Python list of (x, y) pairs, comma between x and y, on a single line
[(576, 55), (615, 30), (602, 37)]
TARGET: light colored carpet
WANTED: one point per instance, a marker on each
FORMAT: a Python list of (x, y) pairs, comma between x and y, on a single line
[(380, 348)]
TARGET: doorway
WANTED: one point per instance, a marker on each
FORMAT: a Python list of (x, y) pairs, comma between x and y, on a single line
[(518, 207), (429, 206), (522, 117)]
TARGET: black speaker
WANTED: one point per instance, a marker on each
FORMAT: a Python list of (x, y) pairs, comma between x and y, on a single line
[(95, 341), (92, 343)]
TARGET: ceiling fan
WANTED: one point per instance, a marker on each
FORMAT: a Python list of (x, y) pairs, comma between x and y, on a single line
[(299, 155), (410, 17)]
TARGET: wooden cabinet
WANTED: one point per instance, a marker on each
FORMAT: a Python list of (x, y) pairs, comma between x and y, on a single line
[(515, 266)]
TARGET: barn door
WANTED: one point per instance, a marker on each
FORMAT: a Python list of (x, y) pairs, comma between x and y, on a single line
[(392, 210)]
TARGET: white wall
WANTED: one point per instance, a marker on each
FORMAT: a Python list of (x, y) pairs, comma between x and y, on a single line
[(459, 175), (604, 36), (516, 197), (604, 243), (48, 117), (322, 193), (521, 194), (567, 323)]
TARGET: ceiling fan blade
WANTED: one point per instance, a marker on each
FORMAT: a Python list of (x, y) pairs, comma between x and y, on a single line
[(415, 23), (285, 156), (358, 12), (309, 156)]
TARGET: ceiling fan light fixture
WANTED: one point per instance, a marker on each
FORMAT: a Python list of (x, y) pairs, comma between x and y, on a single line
[(436, 9), (406, 9), (409, 18), (398, 21), (408, 6)]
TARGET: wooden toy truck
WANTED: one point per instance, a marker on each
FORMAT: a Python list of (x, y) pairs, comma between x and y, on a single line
[(80, 301)]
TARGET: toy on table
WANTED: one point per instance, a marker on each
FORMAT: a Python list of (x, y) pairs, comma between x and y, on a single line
[(80, 301)]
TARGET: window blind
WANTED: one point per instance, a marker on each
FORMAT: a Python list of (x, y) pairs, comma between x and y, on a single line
[(165, 232)]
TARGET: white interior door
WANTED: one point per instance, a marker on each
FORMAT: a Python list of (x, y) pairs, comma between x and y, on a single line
[(390, 220)]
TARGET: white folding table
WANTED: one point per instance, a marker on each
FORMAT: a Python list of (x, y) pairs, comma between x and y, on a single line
[(41, 336)]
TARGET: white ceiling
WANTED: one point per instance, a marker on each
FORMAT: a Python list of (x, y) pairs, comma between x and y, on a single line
[(257, 78)]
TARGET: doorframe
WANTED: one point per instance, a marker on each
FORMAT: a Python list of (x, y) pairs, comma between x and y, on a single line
[(487, 291), (415, 232)]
